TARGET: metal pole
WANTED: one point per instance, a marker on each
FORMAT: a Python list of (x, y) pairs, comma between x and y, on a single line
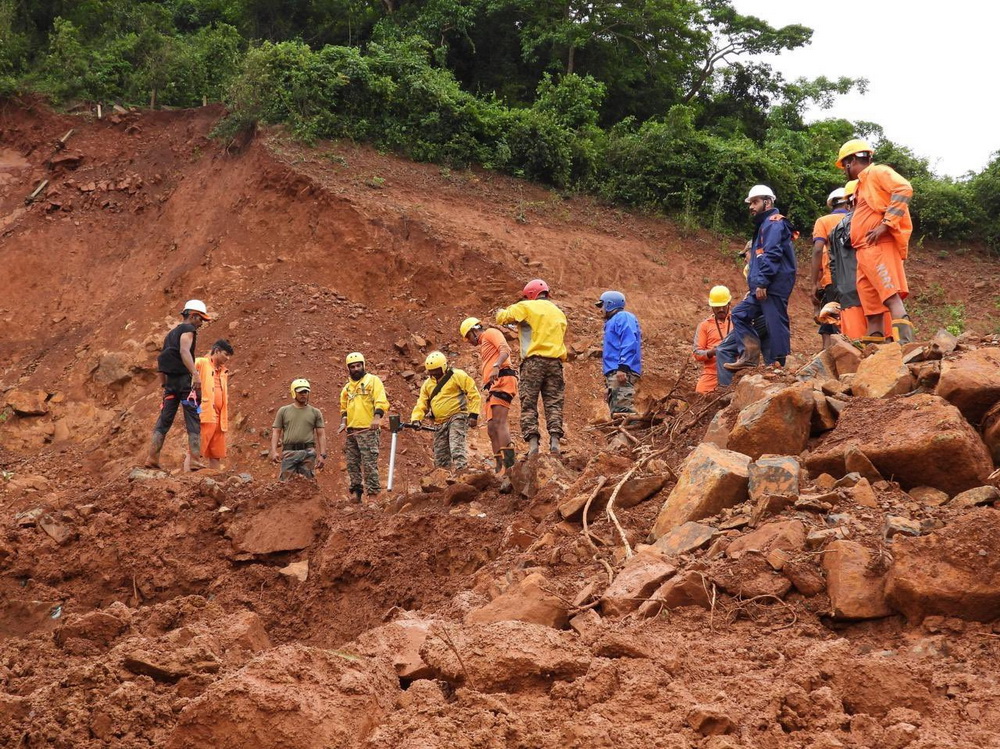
[(392, 462)]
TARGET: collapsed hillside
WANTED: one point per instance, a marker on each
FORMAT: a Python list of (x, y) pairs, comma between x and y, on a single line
[(142, 609)]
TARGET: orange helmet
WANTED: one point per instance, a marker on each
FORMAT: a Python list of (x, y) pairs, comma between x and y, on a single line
[(534, 288)]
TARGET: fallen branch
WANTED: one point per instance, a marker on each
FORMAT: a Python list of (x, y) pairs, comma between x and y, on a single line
[(601, 480), (451, 646), (611, 507)]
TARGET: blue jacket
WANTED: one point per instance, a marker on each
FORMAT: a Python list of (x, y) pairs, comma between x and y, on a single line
[(772, 256), (622, 343)]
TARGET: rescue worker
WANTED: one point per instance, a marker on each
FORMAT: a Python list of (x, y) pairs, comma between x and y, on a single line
[(711, 332), (300, 429), (181, 383), (500, 384), (363, 403), (823, 290), (622, 363), (880, 234), (214, 376), (450, 398), (771, 278), (542, 328)]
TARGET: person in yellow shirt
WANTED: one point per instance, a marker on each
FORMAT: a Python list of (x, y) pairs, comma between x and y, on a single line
[(542, 327), (363, 403), (451, 399), (214, 410)]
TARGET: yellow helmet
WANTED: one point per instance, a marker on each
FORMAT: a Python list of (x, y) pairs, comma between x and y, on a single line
[(850, 188), (719, 296), (435, 360), (851, 148), (468, 324), (355, 357), (300, 384)]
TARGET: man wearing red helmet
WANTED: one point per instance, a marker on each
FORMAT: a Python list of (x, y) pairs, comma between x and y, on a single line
[(542, 328)]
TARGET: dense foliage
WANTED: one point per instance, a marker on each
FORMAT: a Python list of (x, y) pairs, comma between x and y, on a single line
[(652, 103)]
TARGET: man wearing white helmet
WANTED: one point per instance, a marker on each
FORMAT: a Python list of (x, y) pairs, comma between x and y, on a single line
[(181, 384), (771, 278), (823, 289)]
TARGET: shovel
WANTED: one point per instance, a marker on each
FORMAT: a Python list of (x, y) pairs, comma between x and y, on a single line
[(395, 427)]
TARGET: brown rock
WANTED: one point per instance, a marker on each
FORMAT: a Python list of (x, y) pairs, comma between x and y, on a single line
[(981, 495), (28, 402), (752, 576), (918, 441), (633, 492), (689, 588), (528, 601), (928, 495), (952, 572), (846, 357), (460, 493), (824, 481), (710, 721), (779, 423), (855, 461), (789, 536), (751, 389), (816, 539), (399, 641), (540, 471), (820, 368), (971, 382), (991, 432), (775, 475), (943, 342), (98, 627), (882, 374), (720, 426), (642, 575), (896, 525), (855, 586), (927, 374), (296, 571), (710, 481), (824, 417), (283, 527), (863, 494), (685, 538), (436, 481), (805, 576), (770, 504)]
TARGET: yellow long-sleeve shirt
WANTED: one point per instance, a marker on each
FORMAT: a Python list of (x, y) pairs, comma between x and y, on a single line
[(542, 327), (360, 399), (459, 395)]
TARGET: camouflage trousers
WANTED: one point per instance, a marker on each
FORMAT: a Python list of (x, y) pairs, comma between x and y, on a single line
[(542, 376), (301, 462), (361, 453), (621, 398), (451, 443)]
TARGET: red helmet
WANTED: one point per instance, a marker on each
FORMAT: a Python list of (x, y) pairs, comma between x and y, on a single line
[(534, 288)]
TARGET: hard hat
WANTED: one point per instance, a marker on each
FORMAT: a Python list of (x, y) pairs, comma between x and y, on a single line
[(836, 195), (850, 188), (719, 296), (853, 148), (533, 288), (760, 191), (468, 324), (355, 358), (300, 384), (611, 300), (435, 360), (196, 305)]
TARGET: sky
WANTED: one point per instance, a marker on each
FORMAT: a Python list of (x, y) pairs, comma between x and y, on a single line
[(931, 72)]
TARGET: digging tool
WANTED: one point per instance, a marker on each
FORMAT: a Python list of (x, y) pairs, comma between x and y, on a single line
[(395, 427)]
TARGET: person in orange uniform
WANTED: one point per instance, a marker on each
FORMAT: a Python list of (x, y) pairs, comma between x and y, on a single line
[(500, 384), (214, 414), (880, 234), (823, 291), (709, 334)]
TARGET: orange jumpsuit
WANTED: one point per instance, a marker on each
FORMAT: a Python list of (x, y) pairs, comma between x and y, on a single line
[(709, 334), (883, 196), (214, 408), (504, 388)]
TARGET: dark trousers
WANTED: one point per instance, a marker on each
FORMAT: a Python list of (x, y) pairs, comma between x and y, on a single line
[(774, 310), (732, 346), (176, 389)]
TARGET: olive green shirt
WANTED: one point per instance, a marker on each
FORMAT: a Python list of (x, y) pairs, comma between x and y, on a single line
[(298, 425)]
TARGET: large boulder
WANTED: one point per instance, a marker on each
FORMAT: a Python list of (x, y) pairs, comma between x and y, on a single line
[(952, 572), (971, 382), (918, 441), (541, 471), (855, 584), (774, 475), (28, 402), (643, 574), (528, 601), (291, 696), (710, 481), (285, 526), (883, 374), (399, 641), (778, 423)]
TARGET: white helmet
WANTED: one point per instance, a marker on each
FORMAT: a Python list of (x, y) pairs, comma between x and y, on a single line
[(196, 305), (836, 195), (760, 191)]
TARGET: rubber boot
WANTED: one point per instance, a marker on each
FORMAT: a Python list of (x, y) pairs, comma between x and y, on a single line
[(554, 444), (193, 463), (356, 493), (507, 455), (532, 444), (750, 357), (499, 461), (902, 330), (155, 445)]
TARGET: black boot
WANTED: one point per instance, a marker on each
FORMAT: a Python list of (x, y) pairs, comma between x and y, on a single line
[(356, 493), (750, 357)]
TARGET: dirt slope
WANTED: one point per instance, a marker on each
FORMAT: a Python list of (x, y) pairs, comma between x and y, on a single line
[(303, 255)]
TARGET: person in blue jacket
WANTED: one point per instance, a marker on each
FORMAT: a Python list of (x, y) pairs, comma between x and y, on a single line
[(622, 352), (770, 278)]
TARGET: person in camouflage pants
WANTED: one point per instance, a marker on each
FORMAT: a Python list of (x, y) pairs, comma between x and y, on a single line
[(543, 376), (361, 453), (621, 397), (450, 443)]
